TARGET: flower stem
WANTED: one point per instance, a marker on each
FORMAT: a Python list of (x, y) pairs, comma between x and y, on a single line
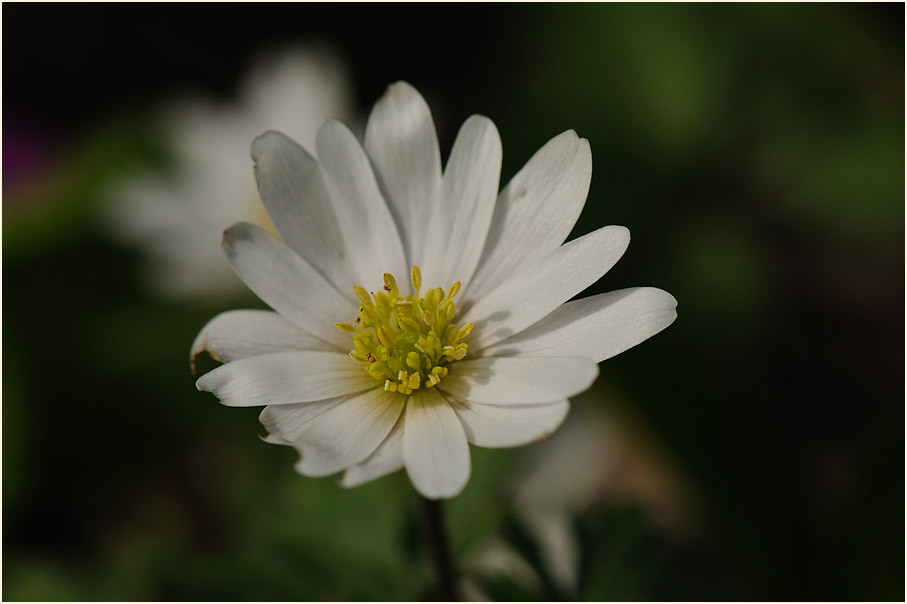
[(437, 538)]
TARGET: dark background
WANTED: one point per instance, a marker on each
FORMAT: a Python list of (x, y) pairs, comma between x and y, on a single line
[(756, 153)]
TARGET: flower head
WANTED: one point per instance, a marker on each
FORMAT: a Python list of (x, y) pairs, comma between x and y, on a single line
[(418, 310)]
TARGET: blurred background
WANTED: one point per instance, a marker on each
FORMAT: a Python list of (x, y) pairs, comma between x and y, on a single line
[(754, 450)]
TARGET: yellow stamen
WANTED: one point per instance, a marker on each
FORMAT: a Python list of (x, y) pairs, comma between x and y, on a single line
[(416, 278), (362, 294), (405, 340), (464, 331)]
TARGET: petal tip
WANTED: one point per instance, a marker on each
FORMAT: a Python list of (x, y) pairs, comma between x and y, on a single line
[(202, 386), (262, 142)]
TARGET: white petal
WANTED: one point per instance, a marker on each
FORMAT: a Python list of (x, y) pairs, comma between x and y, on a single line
[(237, 334), (508, 426), (531, 294), (292, 190), (536, 210), (281, 378), (515, 381), (459, 226), (386, 459), (347, 433), (597, 327), (369, 232), (558, 545), (434, 446), (400, 140), (287, 283), (285, 423)]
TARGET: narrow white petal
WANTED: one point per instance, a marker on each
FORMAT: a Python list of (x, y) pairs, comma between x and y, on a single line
[(516, 381), (508, 426), (532, 293), (347, 433), (400, 140), (369, 232), (598, 327), (435, 446), (285, 423), (536, 210), (282, 378), (287, 283), (558, 543), (387, 459), (459, 227), (292, 190), (237, 334)]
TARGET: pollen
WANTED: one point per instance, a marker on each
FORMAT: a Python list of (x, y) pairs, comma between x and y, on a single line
[(406, 341)]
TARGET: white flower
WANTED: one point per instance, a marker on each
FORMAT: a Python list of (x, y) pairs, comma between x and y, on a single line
[(427, 375), (176, 216)]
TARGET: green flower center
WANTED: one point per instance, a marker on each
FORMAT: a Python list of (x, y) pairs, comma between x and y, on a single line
[(408, 342)]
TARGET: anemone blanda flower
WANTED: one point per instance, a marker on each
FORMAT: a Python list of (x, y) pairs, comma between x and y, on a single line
[(175, 216), (418, 310)]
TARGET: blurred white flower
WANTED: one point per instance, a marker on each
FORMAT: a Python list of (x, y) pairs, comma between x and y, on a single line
[(175, 217), (596, 457), (368, 374)]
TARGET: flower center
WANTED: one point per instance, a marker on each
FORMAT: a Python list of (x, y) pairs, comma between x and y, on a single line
[(407, 342)]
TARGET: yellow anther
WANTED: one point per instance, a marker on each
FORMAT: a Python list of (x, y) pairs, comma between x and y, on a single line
[(413, 360), (401, 376), (390, 386), (448, 310), (416, 278), (387, 336), (427, 317), (453, 290), (358, 356), (414, 381), (382, 300), (390, 284), (409, 326), (370, 313), (362, 295), (433, 380), (432, 298), (345, 327), (464, 331), (376, 370)]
